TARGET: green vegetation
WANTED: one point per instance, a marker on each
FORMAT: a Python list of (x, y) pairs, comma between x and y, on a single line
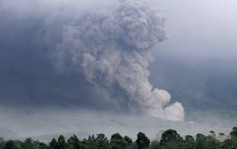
[(170, 139)]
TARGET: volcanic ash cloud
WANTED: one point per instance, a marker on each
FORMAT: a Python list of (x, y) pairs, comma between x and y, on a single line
[(113, 49)]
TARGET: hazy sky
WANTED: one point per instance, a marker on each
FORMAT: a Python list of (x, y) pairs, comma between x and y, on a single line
[(196, 64), (200, 28)]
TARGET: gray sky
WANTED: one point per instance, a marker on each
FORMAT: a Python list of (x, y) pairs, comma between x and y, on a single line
[(199, 28), (196, 64)]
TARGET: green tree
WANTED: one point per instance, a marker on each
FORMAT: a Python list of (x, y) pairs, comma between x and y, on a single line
[(2, 143), (74, 143), (29, 144), (201, 138), (142, 141), (171, 136), (101, 141), (233, 133), (41, 145), (61, 143), (189, 138), (170, 139), (155, 145), (53, 144), (212, 133), (117, 142), (127, 139), (10, 145), (116, 137), (200, 145), (228, 143), (189, 142), (211, 140), (127, 143)]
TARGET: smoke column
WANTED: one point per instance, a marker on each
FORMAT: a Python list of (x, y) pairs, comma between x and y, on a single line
[(113, 49)]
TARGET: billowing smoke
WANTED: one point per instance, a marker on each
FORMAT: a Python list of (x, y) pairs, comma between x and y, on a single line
[(112, 49)]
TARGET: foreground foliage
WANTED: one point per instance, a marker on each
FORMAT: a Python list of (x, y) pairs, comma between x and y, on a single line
[(170, 139)]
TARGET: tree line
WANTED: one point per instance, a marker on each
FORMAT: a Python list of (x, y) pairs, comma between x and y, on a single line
[(170, 139)]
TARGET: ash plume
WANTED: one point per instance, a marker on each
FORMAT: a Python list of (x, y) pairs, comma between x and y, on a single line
[(113, 49)]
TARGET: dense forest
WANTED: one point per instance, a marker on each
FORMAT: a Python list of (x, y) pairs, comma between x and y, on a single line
[(170, 139)]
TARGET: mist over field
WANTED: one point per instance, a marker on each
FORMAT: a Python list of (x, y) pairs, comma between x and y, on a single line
[(110, 66)]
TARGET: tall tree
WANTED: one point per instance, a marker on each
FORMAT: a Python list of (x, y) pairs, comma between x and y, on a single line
[(189, 142), (28, 144), (116, 141), (189, 138), (101, 141), (10, 145), (127, 143), (142, 141), (233, 133), (201, 138), (73, 142), (53, 144), (154, 145), (61, 142), (127, 139), (171, 136)]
